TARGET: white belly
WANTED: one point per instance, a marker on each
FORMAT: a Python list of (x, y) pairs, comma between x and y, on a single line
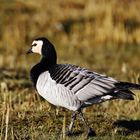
[(55, 93)]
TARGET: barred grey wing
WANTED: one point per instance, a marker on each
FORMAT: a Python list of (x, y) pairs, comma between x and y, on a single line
[(83, 83)]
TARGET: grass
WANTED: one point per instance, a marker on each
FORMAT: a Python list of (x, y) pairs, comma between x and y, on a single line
[(100, 36), (24, 115)]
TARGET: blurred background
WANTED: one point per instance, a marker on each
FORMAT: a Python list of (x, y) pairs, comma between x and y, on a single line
[(85, 33), (101, 35)]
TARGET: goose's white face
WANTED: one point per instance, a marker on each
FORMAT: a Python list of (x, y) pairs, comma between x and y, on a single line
[(37, 46)]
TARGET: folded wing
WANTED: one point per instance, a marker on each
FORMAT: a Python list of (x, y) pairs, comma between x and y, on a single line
[(81, 80)]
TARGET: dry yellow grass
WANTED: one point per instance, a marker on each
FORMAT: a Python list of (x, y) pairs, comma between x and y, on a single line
[(69, 23)]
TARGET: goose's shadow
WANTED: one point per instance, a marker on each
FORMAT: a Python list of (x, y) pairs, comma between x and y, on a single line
[(131, 125)]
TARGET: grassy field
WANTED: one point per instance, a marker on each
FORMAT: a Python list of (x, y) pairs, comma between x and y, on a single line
[(103, 36)]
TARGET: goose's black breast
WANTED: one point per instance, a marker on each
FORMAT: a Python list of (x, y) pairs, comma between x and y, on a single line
[(36, 71)]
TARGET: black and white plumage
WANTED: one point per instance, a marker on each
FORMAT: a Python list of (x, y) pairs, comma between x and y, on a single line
[(71, 86)]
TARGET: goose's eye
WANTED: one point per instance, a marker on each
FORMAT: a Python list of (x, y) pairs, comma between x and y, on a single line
[(34, 44)]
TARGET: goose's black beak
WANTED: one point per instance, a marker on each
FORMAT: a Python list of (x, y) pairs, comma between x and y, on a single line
[(29, 51)]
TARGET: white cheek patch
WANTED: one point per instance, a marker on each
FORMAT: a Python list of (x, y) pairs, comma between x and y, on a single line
[(38, 47)]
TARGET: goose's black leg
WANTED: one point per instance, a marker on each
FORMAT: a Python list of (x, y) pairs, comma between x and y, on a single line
[(73, 117), (90, 132)]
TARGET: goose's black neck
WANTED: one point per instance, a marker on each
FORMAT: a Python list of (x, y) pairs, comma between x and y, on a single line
[(49, 59), (47, 62)]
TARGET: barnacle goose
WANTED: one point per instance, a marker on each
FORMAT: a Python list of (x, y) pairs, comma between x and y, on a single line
[(71, 86)]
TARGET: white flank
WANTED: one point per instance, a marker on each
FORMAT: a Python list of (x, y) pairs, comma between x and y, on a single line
[(55, 93)]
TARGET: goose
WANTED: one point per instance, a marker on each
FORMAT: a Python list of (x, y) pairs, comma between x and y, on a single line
[(71, 86)]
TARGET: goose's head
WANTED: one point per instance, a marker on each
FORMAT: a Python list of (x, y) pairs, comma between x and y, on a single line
[(43, 47)]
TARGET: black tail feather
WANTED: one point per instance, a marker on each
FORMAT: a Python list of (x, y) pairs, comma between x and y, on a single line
[(125, 94), (127, 85), (123, 90)]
